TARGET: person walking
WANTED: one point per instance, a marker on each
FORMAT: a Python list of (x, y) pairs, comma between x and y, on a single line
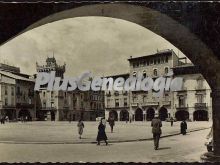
[(183, 127), (80, 126), (156, 125), (171, 121), (111, 123), (104, 121), (101, 134)]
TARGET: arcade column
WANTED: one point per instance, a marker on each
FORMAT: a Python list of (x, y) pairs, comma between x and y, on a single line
[(215, 156)]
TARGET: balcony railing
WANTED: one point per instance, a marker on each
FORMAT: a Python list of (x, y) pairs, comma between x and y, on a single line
[(24, 105), (166, 102), (48, 108), (181, 107), (200, 105), (150, 103)]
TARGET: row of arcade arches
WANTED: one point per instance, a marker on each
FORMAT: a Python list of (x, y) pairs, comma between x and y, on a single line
[(198, 115)]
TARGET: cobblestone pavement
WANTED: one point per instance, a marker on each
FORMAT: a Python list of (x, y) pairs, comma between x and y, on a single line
[(177, 148), (65, 132)]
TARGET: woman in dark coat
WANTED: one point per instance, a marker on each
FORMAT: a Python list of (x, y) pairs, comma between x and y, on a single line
[(101, 134), (183, 127)]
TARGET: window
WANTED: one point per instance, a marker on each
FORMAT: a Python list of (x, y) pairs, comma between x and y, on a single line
[(125, 102), (147, 62), (44, 94), (155, 72), (6, 90), (200, 83), (108, 103), (116, 102), (144, 98), (134, 98), (18, 90), (166, 97), (166, 59), (200, 98), (181, 101), (52, 94), (44, 104), (166, 70), (155, 61), (158, 60), (162, 60), (12, 91), (6, 101)]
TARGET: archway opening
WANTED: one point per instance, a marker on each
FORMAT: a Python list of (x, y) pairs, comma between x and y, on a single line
[(113, 114), (163, 113), (182, 115), (124, 115), (150, 114), (24, 114), (139, 115), (200, 115)]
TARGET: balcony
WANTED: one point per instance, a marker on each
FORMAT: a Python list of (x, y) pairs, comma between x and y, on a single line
[(151, 103), (134, 104), (200, 106), (24, 105), (166, 102), (8, 106), (48, 108), (181, 107)]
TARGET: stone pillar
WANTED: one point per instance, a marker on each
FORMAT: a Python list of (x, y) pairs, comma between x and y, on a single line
[(214, 156), (144, 115), (216, 120), (118, 115)]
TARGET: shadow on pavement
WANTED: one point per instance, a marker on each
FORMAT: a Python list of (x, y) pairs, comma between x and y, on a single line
[(164, 148)]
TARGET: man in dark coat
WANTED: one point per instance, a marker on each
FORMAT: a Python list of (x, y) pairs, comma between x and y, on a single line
[(183, 127), (171, 121), (111, 123), (101, 134), (156, 125)]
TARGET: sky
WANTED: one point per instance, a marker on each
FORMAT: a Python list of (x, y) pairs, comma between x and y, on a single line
[(101, 45)]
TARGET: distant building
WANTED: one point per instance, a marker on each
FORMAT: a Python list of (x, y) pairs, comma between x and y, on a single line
[(65, 105), (193, 102), (117, 102), (17, 98), (9, 68)]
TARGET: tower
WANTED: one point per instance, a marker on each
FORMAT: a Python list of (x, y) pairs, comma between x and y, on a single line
[(51, 65)]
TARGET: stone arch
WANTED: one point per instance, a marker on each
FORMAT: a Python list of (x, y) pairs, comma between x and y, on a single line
[(182, 115), (163, 113), (114, 114), (174, 32), (139, 114), (124, 115), (200, 115), (150, 114)]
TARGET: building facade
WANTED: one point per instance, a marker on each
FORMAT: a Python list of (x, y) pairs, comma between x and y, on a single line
[(17, 99), (143, 105), (67, 105)]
